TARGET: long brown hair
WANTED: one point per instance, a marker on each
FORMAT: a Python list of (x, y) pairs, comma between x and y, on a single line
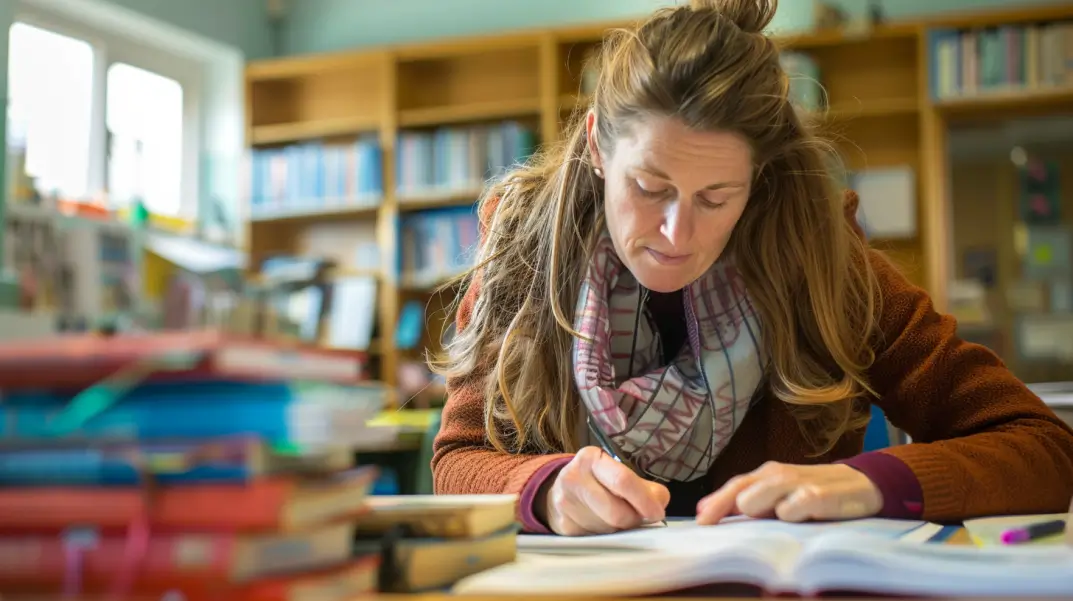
[(709, 65)]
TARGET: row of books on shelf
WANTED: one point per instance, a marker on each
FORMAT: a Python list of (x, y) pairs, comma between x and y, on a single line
[(315, 176), (453, 159), (231, 470), (437, 245), (1008, 58)]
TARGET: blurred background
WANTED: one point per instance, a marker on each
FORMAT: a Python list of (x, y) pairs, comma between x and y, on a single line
[(306, 170)]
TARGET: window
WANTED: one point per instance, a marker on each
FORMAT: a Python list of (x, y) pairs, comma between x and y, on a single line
[(144, 118), (50, 79), (94, 116)]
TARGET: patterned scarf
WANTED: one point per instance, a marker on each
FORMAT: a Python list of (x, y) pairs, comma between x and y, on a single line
[(671, 421)]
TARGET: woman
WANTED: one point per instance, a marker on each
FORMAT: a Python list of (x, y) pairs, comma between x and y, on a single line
[(681, 280)]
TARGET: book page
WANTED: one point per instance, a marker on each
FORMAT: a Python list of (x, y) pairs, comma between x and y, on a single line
[(840, 561), (672, 536), (759, 561)]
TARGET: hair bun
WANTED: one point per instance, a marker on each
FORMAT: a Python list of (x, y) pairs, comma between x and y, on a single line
[(751, 16)]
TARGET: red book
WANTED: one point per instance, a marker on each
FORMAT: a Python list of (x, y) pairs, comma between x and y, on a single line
[(78, 361), (166, 560), (357, 577), (270, 504)]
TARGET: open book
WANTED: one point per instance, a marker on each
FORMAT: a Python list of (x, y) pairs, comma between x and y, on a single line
[(865, 556)]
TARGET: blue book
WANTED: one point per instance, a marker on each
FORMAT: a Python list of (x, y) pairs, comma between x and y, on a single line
[(283, 414), (124, 463)]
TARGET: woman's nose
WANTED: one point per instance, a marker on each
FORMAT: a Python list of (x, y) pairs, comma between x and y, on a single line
[(677, 223)]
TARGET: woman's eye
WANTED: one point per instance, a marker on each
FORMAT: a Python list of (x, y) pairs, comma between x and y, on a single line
[(651, 193), (713, 203)]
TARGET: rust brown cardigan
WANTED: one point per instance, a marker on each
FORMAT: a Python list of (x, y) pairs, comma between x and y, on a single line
[(983, 444)]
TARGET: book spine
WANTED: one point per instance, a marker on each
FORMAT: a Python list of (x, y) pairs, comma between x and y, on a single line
[(313, 176), (49, 559), (276, 413), (267, 420), (1005, 59), (204, 507), (95, 467)]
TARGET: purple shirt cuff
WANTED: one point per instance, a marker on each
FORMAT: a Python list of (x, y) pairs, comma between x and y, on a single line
[(902, 496), (530, 523)]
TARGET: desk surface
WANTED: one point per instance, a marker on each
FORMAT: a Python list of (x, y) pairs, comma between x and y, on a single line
[(538, 598)]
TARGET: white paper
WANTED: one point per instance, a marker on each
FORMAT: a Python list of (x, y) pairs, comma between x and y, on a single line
[(888, 202), (353, 312)]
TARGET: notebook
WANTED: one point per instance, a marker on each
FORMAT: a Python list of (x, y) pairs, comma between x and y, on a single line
[(865, 556)]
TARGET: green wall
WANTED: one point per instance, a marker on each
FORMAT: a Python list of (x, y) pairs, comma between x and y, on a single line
[(326, 25), (239, 23)]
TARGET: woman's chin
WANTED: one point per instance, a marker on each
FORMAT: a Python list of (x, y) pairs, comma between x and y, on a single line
[(659, 280)]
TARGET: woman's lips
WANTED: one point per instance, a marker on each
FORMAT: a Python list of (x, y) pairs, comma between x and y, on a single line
[(663, 259)]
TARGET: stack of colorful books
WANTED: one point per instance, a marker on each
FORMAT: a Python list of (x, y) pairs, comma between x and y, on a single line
[(190, 464)]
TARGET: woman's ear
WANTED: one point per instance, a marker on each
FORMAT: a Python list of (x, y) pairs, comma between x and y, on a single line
[(590, 139)]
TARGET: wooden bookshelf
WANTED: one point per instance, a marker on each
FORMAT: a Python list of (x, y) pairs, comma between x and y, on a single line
[(282, 133), (880, 110)]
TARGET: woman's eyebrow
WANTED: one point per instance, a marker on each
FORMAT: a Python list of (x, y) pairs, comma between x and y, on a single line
[(656, 172)]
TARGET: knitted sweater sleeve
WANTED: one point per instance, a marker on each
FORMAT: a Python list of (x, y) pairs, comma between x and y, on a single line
[(983, 444), (463, 461)]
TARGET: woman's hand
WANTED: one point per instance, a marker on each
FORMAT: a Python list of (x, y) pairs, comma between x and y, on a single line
[(594, 494), (794, 493)]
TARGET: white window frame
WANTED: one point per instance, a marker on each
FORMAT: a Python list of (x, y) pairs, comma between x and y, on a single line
[(109, 49), (95, 177), (212, 77)]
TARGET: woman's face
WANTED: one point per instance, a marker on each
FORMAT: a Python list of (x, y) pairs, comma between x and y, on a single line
[(672, 197)]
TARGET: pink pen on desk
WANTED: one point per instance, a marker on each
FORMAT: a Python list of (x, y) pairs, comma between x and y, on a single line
[(1033, 532)]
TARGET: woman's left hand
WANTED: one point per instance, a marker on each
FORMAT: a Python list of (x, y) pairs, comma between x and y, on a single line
[(794, 493)]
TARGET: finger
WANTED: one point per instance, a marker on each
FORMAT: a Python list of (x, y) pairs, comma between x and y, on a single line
[(599, 511), (766, 492), (818, 502), (563, 525), (646, 500), (568, 508), (660, 493), (723, 502)]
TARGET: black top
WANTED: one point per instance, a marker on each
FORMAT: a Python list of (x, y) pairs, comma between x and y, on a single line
[(669, 315)]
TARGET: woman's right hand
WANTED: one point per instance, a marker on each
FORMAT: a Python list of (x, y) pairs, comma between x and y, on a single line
[(594, 494)]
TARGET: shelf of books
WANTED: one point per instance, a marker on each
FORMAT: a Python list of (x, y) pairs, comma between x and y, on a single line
[(1014, 67), (373, 161)]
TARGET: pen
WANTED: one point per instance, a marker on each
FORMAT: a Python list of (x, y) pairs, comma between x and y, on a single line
[(609, 448), (1034, 532)]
